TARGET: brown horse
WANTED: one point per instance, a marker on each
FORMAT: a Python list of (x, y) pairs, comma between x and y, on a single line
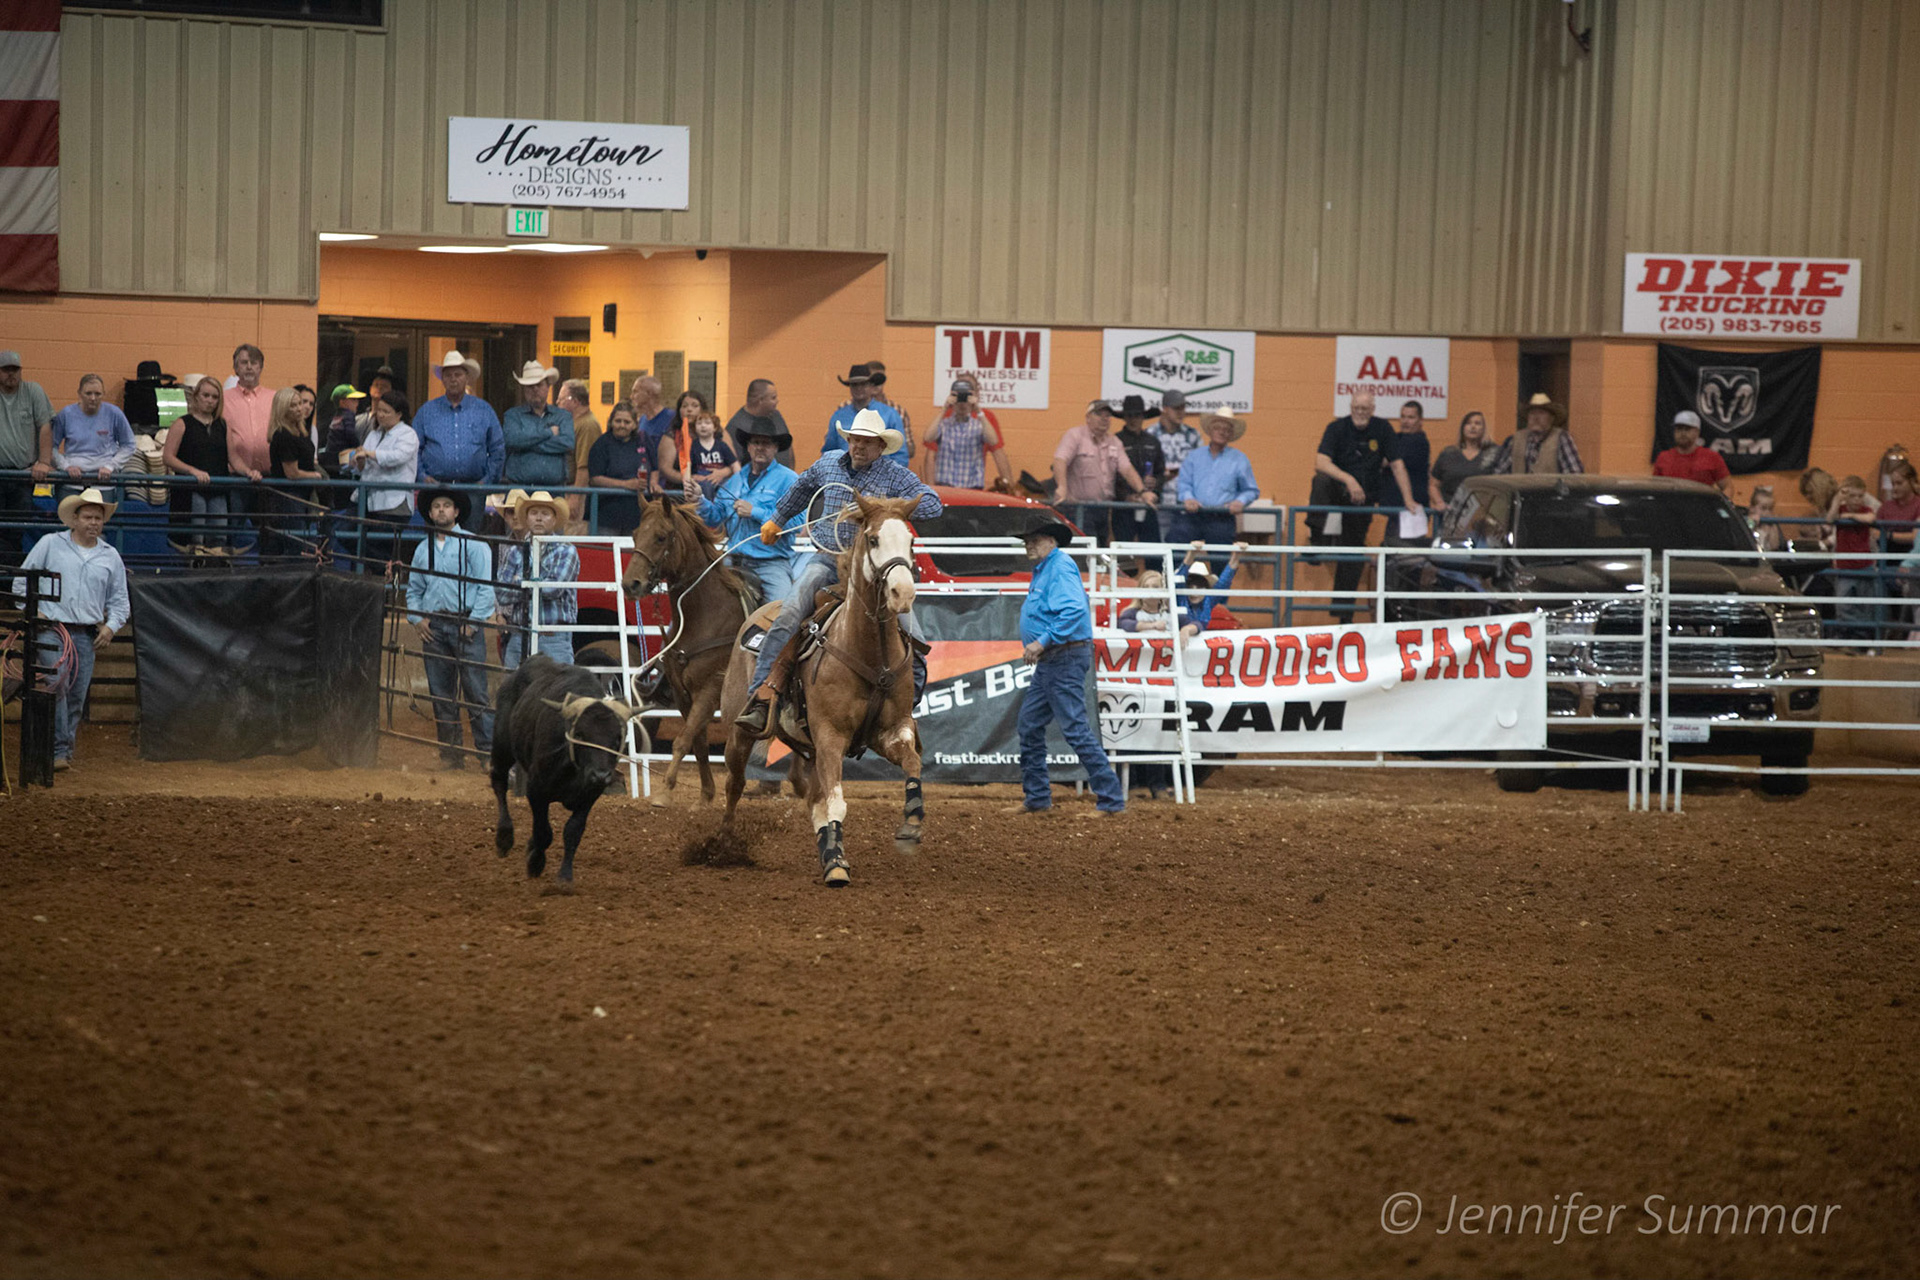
[(672, 546), (857, 685)]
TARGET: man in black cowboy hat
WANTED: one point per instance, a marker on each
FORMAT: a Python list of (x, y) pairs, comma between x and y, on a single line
[(449, 594), (1056, 630), (1149, 461), (746, 500), (763, 401), (860, 384)]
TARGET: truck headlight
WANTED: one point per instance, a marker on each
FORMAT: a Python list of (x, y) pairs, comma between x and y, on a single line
[(1796, 622)]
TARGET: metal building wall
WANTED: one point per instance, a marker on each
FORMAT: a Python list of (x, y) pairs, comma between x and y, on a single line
[(1440, 166)]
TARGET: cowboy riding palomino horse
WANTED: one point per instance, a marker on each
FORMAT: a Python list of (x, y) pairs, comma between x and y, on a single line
[(673, 546), (855, 685)]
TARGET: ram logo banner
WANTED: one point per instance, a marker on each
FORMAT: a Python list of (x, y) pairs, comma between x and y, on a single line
[(1755, 407), (1212, 368), (1468, 684), (567, 162), (1717, 296), (1393, 371), (1009, 367)]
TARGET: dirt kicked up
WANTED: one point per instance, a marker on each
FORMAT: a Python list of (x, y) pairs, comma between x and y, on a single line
[(257, 1022)]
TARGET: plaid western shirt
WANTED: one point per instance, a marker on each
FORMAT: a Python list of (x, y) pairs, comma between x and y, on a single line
[(884, 479)]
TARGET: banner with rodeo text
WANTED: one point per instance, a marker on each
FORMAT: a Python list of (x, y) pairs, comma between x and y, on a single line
[(1465, 684), (1755, 407)]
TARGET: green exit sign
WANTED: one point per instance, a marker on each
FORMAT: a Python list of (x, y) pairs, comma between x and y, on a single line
[(527, 222)]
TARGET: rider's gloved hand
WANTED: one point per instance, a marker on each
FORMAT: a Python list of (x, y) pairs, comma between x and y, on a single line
[(770, 532)]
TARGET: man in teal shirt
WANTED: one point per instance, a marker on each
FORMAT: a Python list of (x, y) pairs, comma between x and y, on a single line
[(1056, 628), (539, 434)]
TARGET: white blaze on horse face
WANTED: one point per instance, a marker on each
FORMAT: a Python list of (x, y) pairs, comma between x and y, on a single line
[(893, 541)]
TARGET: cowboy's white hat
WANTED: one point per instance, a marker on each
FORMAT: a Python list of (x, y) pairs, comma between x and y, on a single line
[(1236, 427), (533, 371), (454, 360), (868, 422), (541, 498), (89, 497)]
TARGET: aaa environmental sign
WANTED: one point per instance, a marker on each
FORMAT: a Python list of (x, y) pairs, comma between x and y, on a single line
[(493, 160), (1213, 367), (1393, 371), (1469, 684), (1716, 296), (1008, 366)]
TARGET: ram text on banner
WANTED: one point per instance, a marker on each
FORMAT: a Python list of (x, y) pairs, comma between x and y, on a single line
[(1394, 370), (573, 163), (1008, 367), (1710, 295), (1213, 368), (1463, 684)]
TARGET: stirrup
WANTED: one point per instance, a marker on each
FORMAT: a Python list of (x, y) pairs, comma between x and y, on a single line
[(757, 718)]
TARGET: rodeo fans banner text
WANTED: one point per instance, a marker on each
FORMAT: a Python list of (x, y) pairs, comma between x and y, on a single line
[(1714, 296), (1467, 684)]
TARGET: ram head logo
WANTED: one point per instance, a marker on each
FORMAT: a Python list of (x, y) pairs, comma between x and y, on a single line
[(1728, 396)]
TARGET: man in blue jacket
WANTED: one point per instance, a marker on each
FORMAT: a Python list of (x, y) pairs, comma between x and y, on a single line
[(539, 434), (748, 499), (1056, 627)]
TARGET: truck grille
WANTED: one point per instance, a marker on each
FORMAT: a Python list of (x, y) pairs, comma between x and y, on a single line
[(1689, 621)]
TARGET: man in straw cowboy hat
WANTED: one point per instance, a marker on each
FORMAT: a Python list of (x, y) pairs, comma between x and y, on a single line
[(92, 606), (1545, 448), (543, 516), (837, 477), (539, 434), (1216, 484), (1056, 634), (461, 440), (450, 592), (860, 386)]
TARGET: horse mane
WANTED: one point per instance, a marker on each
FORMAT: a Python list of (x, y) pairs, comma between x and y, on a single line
[(687, 524)]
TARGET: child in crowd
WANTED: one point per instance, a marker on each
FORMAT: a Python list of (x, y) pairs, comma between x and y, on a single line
[(713, 458), (1759, 511), (1202, 591), (449, 593), (1852, 515), (1148, 612)]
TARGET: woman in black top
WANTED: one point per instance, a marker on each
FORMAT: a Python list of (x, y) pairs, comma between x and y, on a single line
[(290, 454), (1458, 461), (197, 447)]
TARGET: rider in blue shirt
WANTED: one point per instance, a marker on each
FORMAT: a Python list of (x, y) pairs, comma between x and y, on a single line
[(1056, 628), (748, 499)]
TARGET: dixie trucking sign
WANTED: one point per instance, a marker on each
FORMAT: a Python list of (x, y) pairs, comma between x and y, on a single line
[(1724, 296)]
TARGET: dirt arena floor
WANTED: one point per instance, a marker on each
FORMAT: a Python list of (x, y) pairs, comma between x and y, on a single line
[(271, 1020)]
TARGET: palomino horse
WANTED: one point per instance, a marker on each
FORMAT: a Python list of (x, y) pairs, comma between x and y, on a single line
[(709, 601), (857, 685)]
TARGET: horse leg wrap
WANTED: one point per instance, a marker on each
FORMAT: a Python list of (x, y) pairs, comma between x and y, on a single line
[(916, 809), (833, 856)]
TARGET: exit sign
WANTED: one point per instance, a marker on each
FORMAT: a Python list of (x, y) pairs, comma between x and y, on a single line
[(527, 222)]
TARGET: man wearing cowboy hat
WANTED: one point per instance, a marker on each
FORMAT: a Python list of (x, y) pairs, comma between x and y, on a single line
[(748, 499), (449, 593), (1056, 634), (1149, 463), (1216, 484), (860, 385), (92, 606), (537, 515), (539, 435), (859, 469), (1547, 447), (461, 440)]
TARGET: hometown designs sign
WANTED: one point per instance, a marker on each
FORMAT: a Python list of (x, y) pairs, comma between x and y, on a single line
[(1471, 684), (1213, 367), (1393, 371), (566, 162), (1712, 296), (1008, 366)]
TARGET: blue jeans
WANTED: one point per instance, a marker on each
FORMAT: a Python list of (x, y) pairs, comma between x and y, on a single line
[(1059, 692), (1856, 621), (208, 526), (773, 574), (816, 575), (455, 679), (69, 706), (513, 646), (557, 645)]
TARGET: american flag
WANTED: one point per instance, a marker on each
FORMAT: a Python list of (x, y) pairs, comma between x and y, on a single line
[(30, 145)]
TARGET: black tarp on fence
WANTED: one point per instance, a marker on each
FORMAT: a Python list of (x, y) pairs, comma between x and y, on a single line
[(267, 662)]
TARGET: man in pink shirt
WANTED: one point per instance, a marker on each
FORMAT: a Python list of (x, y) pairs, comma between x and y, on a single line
[(248, 409), (1091, 466)]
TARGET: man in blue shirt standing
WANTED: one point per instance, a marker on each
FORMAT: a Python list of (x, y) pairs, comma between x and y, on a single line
[(461, 441), (1218, 476), (539, 434), (449, 593), (859, 384), (860, 469), (1056, 628), (748, 499)]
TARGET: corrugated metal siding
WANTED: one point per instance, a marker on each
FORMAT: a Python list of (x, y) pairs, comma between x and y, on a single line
[(1446, 166), (1773, 127)]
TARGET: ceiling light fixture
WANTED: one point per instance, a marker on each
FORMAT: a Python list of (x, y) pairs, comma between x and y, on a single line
[(339, 237), (550, 246), (464, 248)]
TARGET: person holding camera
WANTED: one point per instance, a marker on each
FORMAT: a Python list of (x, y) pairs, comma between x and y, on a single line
[(958, 446)]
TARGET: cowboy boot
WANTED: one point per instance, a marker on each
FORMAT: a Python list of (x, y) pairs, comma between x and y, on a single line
[(758, 716)]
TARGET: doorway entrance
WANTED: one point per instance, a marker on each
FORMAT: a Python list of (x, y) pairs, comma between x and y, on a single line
[(353, 349)]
